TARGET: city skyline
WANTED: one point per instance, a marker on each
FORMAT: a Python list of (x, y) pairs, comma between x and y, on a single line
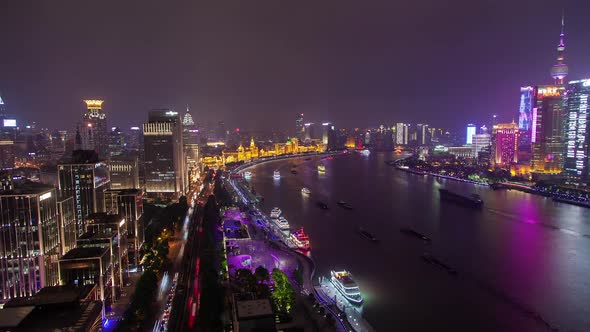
[(335, 84)]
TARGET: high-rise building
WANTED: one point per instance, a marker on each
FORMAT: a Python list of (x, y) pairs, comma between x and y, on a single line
[(29, 249), (423, 134), (560, 70), (547, 136), (68, 232), (117, 141), (189, 129), (135, 139), (187, 120), (471, 130), (94, 128), (401, 133), (312, 132), (505, 144), (6, 154), (124, 171), (221, 132), (577, 97), (481, 142), (2, 108), (525, 108), (85, 177), (129, 204), (328, 135), (165, 166), (299, 132)]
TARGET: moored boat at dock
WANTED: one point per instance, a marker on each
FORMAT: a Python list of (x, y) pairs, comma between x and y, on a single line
[(345, 284)]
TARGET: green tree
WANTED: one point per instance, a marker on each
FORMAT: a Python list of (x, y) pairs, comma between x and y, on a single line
[(283, 294)]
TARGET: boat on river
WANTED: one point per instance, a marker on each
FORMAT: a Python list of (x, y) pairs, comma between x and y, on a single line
[(345, 284)]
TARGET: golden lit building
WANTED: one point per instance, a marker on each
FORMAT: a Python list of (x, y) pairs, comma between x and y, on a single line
[(253, 152)]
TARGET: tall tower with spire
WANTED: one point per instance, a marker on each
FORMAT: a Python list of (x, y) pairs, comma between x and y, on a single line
[(559, 70)]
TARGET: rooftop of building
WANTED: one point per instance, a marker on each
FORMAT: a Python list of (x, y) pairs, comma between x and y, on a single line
[(89, 236), (82, 252), (27, 188), (12, 317), (54, 295), (250, 309), (104, 218), (75, 318)]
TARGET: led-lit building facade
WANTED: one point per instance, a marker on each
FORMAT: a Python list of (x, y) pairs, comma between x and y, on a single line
[(525, 108), (94, 128), (547, 135), (124, 171), (165, 165), (85, 178), (29, 246), (505, 144), (576, 101)]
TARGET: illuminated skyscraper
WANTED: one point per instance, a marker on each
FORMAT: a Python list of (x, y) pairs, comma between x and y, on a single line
[(401, 133), (505, 144), (165, 167), (481, 142), (576, 101), (560, 70), (117, 141), (423, 134), (328, 135), (85, 178), (187, 120), (29, 250), (124, 171), (547, 129), (94, 128), (2, 109), (525, 109), (471, 130), (299, 132)]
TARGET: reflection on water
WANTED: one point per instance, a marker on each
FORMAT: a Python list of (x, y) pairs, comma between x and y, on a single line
[(523, 262)]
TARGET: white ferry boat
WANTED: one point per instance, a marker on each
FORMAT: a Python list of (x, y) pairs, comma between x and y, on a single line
[(276, 175), (321, 168), (365, 152), (275, 213), (282, 223), (300, 239), (305, 191), (344, 283), (247, 175)]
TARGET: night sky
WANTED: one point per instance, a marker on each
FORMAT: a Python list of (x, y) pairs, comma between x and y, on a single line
[(255, 64)]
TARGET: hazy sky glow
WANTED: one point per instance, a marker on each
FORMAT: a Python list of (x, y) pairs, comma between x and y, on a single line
[(353, 62)]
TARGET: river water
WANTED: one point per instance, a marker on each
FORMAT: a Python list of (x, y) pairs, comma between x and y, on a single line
[(523, 262)]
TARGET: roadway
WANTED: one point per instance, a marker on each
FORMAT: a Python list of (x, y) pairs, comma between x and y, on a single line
[(168, 289), (186, 307)]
